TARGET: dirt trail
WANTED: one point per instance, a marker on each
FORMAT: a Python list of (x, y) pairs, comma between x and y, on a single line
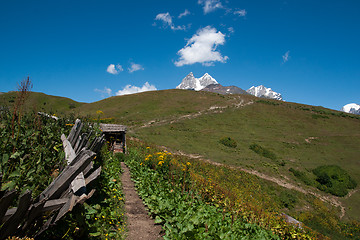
[(140, 225), (211, 110)]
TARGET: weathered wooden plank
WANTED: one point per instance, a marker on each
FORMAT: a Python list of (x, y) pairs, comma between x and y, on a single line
[(93, 176), (74, 130), (78, 186), (77, 134), (54, 204), (82, 143), (61, 183), (66, 207), (84, 197), (69, 151), (45, 226), (48, 206), (77, 143), (34, 213), (87, 169), (5, 202), (11, 225), (88, 142)]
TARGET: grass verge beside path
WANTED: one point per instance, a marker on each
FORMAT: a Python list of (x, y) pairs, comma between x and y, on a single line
[(193, 207)]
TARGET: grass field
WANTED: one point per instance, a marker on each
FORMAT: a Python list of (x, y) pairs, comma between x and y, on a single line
[(289, 135)]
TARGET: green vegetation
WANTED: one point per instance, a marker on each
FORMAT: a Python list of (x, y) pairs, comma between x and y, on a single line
[(302, 176), (31, 156), (228, 142), (269, 102), (263, 151), (333, 179), (40, 102), (31, 151), (302, 137), (103, 215), (191, 202)]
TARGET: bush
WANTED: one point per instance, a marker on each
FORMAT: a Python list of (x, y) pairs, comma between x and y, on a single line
[(333, 179), (263, 151), (287, 199), (228, 142), (302, 176)]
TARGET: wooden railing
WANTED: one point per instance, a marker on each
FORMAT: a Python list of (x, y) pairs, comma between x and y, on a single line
[(66, 190)]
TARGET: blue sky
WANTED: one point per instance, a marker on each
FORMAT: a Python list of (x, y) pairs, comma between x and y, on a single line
[(88, 50)]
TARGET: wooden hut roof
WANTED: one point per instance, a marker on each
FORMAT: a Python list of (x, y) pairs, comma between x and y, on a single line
[(112, 128)]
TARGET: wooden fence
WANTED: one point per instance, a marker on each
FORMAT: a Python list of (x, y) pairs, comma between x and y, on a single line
[(67, 189)]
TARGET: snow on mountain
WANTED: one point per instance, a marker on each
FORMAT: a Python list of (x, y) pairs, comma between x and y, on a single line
[(351, 108), (190, 82), (261, 91)]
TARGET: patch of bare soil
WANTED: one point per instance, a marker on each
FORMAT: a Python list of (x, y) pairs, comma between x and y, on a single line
[(140, 224)]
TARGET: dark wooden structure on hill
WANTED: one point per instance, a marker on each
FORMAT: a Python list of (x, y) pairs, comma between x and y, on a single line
[(116, 136)]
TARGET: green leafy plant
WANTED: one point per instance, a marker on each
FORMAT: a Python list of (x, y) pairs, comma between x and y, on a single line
[(263, 151), (228, 142), (333, 179)]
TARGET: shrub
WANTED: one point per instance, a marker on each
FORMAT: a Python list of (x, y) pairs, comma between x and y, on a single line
[(228, 142), (287, 199), (302, 176), (263, 151), (333, 179)]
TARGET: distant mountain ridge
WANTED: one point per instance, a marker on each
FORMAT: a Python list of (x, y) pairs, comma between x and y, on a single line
[(351, 108), (197, 84), (209, 84), (264, 92), (218, 88)]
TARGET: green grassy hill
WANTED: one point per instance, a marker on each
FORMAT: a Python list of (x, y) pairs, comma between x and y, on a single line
[(276, 140), (42, 102)]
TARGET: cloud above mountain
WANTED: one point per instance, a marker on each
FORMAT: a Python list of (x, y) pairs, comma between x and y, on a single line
[(130, 89), (286, 57), (185, 13), (135, 67), (106, 92), (112, 69), (210, 5), (202, 48), (167, 20)]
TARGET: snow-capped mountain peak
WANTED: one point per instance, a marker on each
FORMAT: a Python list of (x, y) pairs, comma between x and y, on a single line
[(351, 108), (190, 82), (262, 91)]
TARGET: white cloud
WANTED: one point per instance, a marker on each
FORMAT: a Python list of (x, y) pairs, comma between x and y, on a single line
[(210, 5), (166, 18), (231, 30), (201, 48), (286, 57), (241, 12), (129, 89), (104, 93), (114, 69), (185, 13), (135, 67)]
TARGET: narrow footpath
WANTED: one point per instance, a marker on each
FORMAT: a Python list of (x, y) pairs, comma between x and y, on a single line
[(140, 225)]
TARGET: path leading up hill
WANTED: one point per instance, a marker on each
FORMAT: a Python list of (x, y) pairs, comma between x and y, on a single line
[(140, 225), (212, 110)]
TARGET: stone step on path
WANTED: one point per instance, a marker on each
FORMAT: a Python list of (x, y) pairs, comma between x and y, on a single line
[(140, 224)]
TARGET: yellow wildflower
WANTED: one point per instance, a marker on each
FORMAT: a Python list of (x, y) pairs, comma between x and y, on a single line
[(188, 163)]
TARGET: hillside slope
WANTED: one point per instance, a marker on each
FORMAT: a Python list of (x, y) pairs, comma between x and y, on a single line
[(293, 136), (42, 102)]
